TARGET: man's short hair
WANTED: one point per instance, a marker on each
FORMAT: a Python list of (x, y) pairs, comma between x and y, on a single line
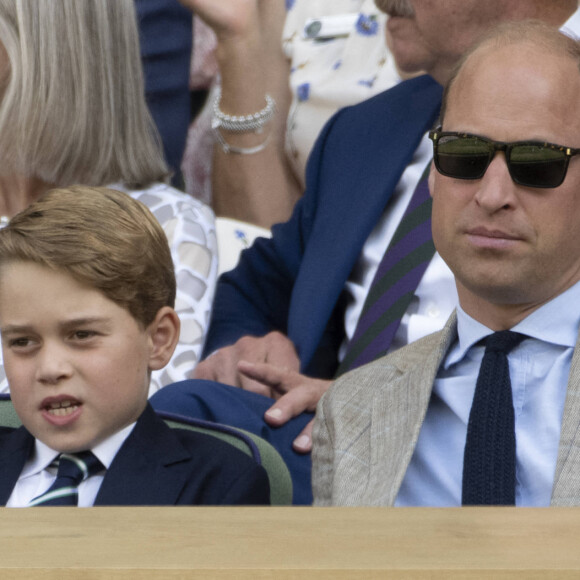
[(102, 238), (534, 32), (72, 100)]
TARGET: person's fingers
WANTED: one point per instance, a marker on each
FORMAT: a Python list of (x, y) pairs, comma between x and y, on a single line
[(254, 378), (301, 398), (281, 352), (303, 443), (221, 366), (269, 374)]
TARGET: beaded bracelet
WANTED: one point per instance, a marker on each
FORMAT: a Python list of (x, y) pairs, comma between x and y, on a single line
[(242, 123)]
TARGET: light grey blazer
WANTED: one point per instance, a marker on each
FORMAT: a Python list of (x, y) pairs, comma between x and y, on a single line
[(368, 423)]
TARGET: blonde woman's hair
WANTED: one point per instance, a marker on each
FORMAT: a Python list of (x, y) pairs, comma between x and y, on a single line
[(72, 100), (102, 238)]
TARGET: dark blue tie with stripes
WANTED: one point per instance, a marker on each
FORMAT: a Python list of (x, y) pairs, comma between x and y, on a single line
[(72, 470)]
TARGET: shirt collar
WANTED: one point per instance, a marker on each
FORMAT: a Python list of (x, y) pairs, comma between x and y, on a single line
[(572, 24), (105, 451), (556, 322)]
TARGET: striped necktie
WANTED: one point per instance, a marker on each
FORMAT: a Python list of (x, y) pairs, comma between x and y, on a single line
[(72, 470), (395, 282), (489, 461)]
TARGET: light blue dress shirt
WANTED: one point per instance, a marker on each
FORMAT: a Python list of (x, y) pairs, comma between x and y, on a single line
[(539, 369)]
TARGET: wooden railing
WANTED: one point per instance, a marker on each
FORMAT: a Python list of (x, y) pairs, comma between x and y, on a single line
[(287, 543)]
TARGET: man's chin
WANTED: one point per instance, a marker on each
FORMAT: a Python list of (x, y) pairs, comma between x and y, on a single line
[(408, 62), (506, 292)]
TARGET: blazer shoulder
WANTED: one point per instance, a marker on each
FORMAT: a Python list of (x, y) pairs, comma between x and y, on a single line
[(155, 437), (231, 476), (421, 88), (15, 448), (160, 465), (15, 439), (420, 95), (389, 124), (207, 447)]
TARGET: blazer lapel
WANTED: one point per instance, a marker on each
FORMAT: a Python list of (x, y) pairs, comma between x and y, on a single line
[(15, 448), (566, 488), (151, 468), (398, 415), (352, 203)]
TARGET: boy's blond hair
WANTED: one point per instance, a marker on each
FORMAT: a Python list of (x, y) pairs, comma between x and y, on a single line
[(102, 238)]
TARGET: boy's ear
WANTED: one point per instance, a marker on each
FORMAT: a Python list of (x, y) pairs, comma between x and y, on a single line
[(164, 335)]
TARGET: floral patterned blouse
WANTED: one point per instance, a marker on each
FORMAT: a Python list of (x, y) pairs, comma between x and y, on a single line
[(338, 57)]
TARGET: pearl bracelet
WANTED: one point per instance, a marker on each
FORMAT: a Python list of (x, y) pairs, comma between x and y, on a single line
[(241, 123)]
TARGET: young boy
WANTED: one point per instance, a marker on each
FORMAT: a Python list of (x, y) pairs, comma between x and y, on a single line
[(87, 291)]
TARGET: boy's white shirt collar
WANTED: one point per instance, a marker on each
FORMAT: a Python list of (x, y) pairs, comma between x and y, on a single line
[(572, 24), (105, 451)]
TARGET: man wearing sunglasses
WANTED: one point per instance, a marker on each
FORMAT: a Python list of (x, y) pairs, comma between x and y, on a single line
[(484, 412), (285, 318)]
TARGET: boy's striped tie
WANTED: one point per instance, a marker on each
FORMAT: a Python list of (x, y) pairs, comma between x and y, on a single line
[(72, 470)]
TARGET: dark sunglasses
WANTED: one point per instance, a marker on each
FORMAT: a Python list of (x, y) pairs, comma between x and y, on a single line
[(530, 163)]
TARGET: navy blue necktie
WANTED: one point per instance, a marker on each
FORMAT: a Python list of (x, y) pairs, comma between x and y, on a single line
[(72, 470), (489, 461)]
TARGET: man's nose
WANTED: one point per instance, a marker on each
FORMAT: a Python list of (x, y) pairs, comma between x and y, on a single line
[(496, 189)]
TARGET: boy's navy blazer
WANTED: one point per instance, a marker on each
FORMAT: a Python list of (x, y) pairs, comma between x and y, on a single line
[(293, 282), (157, 465)]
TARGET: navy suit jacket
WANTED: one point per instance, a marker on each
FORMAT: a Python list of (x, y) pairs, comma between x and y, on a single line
[(293, 282), (165, 32), (158, 465)]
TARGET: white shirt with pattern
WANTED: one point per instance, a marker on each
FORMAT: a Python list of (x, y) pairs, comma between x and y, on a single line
[(344, 63)]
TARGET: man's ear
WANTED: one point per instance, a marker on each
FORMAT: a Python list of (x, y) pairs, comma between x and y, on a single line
[(164, 335), (431, 180)]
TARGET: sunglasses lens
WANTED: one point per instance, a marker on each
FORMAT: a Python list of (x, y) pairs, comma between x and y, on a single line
[(462, 157), (537, 166)]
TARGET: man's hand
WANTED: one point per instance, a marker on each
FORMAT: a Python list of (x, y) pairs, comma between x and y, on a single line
[(273, 348), (295, 393)]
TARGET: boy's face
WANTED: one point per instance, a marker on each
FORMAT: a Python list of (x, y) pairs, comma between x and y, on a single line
[(77, 363)]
